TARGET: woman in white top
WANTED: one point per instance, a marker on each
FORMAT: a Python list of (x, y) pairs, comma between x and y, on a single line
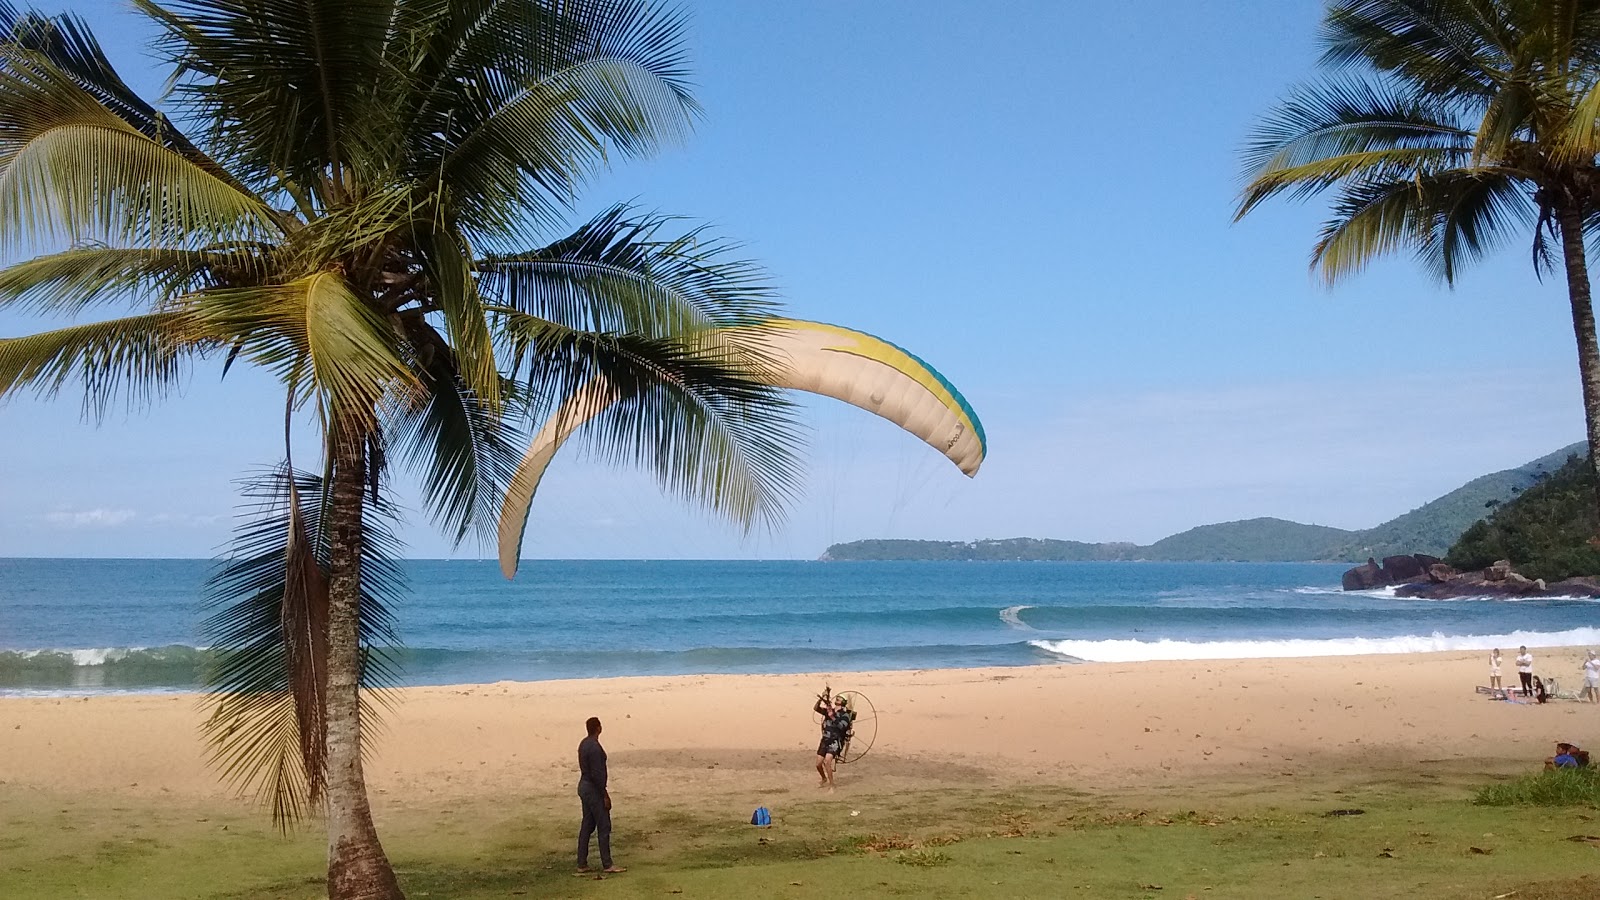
[(1494, 670), (1591, 678), (1525, 670)]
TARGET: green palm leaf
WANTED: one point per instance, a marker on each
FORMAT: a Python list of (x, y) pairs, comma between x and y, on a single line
[(463, 450), (296, 80), (620, 273), (316, 331), (72, 280), (141, 357)]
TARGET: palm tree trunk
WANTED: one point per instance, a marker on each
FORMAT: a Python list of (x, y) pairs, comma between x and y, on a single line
[(1571, 219), (357, 866)]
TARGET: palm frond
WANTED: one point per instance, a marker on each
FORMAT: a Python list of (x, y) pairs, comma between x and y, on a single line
[(1578, 140), (267, 634), (464, 452), (291, 85), (512, 125), (72, 169), (67, 43), (312, 330), (690, 409), (1328, 132), (620, 272), (1447, 48), (141, 357), (1448, 218), (447, 261), (73, 280)]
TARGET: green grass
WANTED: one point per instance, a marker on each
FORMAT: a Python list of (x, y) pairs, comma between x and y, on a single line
[(1418, 840), (1555, 787)]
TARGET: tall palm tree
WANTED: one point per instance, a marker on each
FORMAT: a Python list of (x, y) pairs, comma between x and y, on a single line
[(1447, 127), (359, 197)]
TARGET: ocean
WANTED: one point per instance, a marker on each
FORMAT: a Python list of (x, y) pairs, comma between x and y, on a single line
[(74, 626)]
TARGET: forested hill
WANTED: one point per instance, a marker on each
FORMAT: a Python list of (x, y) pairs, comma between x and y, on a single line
[(1430, 528), (1433, 527)]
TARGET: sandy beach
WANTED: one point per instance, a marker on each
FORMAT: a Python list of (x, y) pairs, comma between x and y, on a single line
[(1165, 726)]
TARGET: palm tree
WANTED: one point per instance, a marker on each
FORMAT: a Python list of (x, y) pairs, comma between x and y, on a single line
[(1446, 127), (358, 196)]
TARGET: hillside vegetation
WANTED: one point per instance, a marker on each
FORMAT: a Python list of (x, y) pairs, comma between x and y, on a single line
[(1431, 528), (1545, 533)]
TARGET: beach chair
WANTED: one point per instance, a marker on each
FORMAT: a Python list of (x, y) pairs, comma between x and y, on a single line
[(1553, 688)]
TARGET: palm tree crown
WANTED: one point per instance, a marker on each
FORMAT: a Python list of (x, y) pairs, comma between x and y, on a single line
[(1445, 127), (367, 199)]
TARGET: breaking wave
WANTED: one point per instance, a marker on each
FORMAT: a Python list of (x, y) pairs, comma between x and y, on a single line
[(1139, 651)]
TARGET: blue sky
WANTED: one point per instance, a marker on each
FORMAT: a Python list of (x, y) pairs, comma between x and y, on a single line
[(1035, 198)]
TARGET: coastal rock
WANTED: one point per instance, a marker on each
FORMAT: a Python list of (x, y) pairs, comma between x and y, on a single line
[(1439, 573), (1364, 577), (1400, 569), (1497, 581), (1517, 582), (1574, 587)]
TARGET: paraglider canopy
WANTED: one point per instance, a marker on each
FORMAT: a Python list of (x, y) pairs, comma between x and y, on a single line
[(852, 366)]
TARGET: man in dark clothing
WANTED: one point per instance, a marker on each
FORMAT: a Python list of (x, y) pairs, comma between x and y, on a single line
[(595, 798)]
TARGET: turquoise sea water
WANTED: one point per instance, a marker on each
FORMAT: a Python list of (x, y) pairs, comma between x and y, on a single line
[(108, 625)]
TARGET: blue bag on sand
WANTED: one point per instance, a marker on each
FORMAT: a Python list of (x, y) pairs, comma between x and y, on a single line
[(761, 816)]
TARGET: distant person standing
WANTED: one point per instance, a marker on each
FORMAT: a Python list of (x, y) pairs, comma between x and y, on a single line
[(1494, 670), (1525, 670), (595, 798), (1591, 678)]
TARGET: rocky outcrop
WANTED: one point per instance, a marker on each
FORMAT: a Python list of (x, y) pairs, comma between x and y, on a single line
[(1428, 578), (1404, 569), (1498, 580), (1365, 577), (1400, 569)]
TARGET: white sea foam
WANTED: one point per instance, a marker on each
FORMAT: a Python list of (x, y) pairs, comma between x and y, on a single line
[(1012, 615), (1383, 593), (1388, 593), (1139, 651)]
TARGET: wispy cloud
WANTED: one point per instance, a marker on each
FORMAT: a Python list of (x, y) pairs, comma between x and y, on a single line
[(106, 517), (90, 518)]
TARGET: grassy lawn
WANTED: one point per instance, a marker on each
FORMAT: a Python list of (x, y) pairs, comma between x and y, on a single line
[(1425, 840)]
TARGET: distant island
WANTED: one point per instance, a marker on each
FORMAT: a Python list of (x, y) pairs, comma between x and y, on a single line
[(1429, 529)]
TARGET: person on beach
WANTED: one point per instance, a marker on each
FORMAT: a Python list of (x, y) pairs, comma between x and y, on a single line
[(1568, 756), (1540, 695), (1494, 670), (595, 798), (1525, 670), (1591, 678), (833, 737)]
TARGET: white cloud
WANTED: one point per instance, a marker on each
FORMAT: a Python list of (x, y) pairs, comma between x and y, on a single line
[(104, 517), (90, 518)]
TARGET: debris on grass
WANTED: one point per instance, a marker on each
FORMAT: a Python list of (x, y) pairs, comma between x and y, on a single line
[(923, 858)]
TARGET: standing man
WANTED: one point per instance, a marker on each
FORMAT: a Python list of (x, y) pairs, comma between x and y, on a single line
[(832, 743), (595, 798)]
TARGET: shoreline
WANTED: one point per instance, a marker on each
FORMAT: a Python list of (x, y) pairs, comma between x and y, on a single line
[(1194, 725)]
